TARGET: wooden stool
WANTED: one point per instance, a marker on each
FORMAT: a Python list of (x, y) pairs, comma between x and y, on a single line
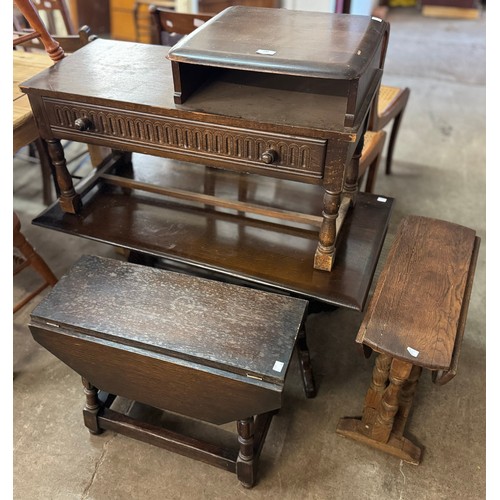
[(415, 319), (200, 348)]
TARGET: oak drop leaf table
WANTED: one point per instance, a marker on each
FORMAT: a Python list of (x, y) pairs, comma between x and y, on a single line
[(206, 350)]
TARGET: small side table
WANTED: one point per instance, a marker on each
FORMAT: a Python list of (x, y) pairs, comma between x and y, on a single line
[(207, 350)]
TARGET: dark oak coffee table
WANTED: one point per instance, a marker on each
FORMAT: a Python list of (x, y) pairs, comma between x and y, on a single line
[(207, 350)]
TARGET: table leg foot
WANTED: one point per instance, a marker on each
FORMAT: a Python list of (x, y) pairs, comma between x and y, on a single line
[(397, 446), (92, 407), (323, 259), (246, 463), (70, 205)]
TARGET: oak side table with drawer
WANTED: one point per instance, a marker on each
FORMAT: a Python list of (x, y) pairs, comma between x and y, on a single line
[(298, 115)]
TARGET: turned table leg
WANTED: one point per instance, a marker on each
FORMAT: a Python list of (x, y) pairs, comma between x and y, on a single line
[(388, 407), (92, 407), (69, 200), (341, 186), (325, 252), (386, 410), (406, 400), (246, 462)]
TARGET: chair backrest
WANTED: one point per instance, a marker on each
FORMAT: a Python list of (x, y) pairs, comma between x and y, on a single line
[(168, 26), (29, 11), (55, 12), (69, 43)]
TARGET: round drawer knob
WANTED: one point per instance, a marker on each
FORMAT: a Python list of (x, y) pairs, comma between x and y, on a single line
[(82, 124), (269, 156)]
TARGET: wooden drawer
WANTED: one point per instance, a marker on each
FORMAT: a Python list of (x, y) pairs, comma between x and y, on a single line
[(231, 147)]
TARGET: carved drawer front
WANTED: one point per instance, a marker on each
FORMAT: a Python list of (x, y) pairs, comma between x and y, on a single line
[(257, 150)]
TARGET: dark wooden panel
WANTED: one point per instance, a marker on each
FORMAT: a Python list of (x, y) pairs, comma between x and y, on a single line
[(204, 321), (158, 380), (332, 46)]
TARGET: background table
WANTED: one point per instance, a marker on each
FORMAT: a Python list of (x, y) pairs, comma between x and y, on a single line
[(25, 65)]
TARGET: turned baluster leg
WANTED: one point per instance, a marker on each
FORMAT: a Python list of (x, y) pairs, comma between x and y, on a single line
[(69, 200), (325, 252), (389, 404), (378, 385), (406, 400), (305, 364), (351, 175), (245, 463), (386, 410), (92, 407)]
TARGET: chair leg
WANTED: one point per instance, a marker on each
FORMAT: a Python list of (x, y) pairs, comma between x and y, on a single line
[(392, 142), (33, 259), (47, 173), (372, 174), (31, 150)]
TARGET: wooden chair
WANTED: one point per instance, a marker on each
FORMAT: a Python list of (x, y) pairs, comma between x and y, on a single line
[(25, 130), (389, 105), (370, 158), (29, 11), (38, 38), (390, 102), (54, 11), (68, 43), (168, 26), (142, 17), (26, 256)]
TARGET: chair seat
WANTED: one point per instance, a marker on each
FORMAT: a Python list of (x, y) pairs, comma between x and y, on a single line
[(387, 97), (370, 158), (390, 105)]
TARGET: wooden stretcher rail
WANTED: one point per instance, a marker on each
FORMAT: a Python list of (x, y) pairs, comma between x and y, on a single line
[(214, 200)]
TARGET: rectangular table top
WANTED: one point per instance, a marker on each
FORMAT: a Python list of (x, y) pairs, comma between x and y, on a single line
[(289, 42), (232, 328), (138, 77)]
